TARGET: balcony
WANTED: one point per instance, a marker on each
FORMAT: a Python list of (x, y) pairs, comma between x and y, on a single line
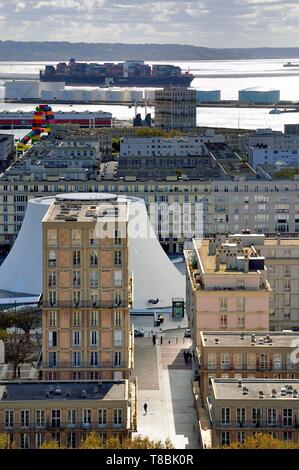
[(255, 425), (249, 368), (83, 365), (62, 425), (69, 304)]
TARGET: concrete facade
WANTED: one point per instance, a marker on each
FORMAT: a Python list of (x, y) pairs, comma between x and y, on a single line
[(175, 108)]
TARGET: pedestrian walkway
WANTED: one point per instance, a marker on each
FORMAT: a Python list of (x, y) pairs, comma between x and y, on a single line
[(170, 413)]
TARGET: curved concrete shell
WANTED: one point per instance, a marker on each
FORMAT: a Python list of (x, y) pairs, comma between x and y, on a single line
[(155, 276)]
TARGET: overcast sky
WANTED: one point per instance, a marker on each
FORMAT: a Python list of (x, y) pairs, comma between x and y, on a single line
[(211, 23)]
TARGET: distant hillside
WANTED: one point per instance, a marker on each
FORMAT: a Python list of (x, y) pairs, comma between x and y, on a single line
[(55, 51)]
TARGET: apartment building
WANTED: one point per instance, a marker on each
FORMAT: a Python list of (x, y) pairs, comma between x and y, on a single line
[(34, 412), (7, 150), (175, 108), (243, 408), (246, 355), (282, 261), (87, 289), (226, 287)]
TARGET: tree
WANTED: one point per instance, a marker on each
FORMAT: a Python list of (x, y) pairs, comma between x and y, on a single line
[(52, 444), (27, 319), (262, 441), (4, 441), (17, 350), (115, 145), (6, 320), (93, 441)]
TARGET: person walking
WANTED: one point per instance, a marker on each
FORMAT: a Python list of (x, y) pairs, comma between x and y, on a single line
[(145, 408), (161, 339), (154, 340)]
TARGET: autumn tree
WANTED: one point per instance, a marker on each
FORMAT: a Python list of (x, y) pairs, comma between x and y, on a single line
[(52, 444), (4, 441), (93, 441), (262, 441)]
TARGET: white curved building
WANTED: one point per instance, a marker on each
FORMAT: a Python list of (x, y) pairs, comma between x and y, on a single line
[(155, 276)]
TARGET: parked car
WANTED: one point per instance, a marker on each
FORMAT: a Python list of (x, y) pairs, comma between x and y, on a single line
[(187, 333), (138, 332)]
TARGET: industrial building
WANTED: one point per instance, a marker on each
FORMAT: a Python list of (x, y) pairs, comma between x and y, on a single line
[(208, 95), (259, 95)]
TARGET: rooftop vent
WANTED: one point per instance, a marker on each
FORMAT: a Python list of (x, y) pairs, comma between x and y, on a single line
[(295, 393), (261, 341), (245, 391), (68, 394), (57, 391), (274, 393), (83, 394), (51, 389), (5, 394), (242, 336), (47, 395), (216, 341), (239, 383), (283, 392), (261, 394)]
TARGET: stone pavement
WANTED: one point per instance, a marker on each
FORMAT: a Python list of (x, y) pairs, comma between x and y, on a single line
[(165, 385)]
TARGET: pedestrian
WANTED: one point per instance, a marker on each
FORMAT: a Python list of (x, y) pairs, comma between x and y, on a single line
[(19, 371), (154, 340), (185, 357), (145, 408), (161, 340)]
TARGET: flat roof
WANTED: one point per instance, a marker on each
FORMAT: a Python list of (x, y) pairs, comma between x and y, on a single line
[(234, 339), (49, 390), (228, 389)]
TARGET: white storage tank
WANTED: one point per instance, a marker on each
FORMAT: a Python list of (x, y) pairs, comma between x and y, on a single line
[(52, 86), (47, 95), (22, 89), (259, 95), (208, 95), (136, 95)]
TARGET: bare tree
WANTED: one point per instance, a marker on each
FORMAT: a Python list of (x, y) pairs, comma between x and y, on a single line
[(17, 350), (27, 319)]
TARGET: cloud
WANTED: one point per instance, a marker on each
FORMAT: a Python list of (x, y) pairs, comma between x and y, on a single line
[(212, 23)]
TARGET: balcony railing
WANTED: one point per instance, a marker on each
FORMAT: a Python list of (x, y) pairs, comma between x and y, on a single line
[(239, 368), (82, 304), (255, 425), (84, 365), (62, 425)]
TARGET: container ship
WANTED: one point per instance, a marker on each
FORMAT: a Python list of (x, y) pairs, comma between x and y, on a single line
[(23, 120), (137, 74), (291, 64)]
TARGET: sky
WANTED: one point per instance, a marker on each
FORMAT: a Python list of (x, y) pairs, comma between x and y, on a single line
[(208, 23)]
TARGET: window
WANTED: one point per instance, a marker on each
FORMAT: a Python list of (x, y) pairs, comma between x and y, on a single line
[(94, 318), (76, 237), (251, 361), (264, 361), (288, 417), (117, 417), (76, 297), (93, 338), (287, 300), (52, 297), (93, 258), (287, 270), (271, 416), (52, 339), (25, 417), (52, 237), (71, 440), (277, 362), (287, 284), (102, 417), (9, 418), (256, 416), (238, 361), (39, 439), (52, 279), (241, 320), (118, 237), (287, 436), (241, 437), (223, 321), (76, 338), (117, 358), (224, 361), (117, 299), (76, 318), (76, 279), (24, 440), (287, 314), (76, 258), (94, 358), (211, 361), (93, 279), (86, 418), (117, 278), (40, 418), (71, 418), (117, 258), (77, 359), (223, 303), (52, 359), (52, 318), (92, 238), (225, 415), (94, 298), (240, 417), (118, 318), (240, 304), (55, 418), (225, 438), (118, 338), (52, 259)]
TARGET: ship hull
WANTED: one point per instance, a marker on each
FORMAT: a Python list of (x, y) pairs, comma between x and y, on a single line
[(155, 82), (26, 123)]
